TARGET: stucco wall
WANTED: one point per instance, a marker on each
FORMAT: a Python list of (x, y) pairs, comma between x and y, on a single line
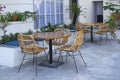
[(89, 10), (19, 5), (66, 10)]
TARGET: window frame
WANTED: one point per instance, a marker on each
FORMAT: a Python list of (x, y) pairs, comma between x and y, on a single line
[(45, 14)]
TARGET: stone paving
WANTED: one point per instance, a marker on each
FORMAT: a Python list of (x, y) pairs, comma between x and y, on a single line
[(103, 63)]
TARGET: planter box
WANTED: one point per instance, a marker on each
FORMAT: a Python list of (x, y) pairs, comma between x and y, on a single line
[(10, 56)]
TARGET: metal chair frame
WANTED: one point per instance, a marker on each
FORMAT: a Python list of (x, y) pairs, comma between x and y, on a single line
[(28, 47), (75, 48)]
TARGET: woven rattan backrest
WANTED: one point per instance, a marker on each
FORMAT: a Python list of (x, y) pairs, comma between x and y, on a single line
[(103, 27), (62, 40), (78, 40), (63, 30), (79, 24), (27, 43)]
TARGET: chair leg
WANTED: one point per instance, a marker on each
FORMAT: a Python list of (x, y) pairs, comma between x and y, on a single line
[(82, 58), (108, 38), (33, 59), (66, 57), (21, 63), (99, 40), (58, 59), (36, 63), (46, 55), (74, 62), (60, 55)]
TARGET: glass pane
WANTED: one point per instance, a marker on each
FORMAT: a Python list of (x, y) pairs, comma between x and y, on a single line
[(48, 7), (36, 22), (42, 20), (61, 18), (52, 19), (61, 7), (52, 7), (42, 9), (57, 7), (48, 19), (57, 19)]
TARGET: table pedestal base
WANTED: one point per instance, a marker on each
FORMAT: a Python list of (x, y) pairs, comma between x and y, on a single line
[(54, 64)]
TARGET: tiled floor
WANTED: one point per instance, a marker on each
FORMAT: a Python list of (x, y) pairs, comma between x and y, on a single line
[(103, 63)]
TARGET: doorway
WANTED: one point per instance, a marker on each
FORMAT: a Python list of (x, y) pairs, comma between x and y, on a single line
[(98, 11)]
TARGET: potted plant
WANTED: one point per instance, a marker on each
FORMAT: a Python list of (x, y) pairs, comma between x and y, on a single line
[(19, 16), (114, 10), (114, 15), (76, 12), (48, 28), (112, 25)]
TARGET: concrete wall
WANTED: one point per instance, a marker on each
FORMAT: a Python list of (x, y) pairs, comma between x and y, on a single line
[(66, 10), (89, 10), (19, 5)]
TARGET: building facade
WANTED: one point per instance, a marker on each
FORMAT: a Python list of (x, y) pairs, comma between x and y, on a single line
[(57, 11)]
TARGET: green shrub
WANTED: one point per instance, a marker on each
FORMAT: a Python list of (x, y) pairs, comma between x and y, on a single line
[(17, 16), (12, 37), (49, 28)]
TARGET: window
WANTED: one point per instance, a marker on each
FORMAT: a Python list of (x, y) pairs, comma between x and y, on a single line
[(51, 11)]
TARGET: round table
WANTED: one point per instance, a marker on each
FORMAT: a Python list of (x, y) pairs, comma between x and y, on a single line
[(92, 25), (50, 36)]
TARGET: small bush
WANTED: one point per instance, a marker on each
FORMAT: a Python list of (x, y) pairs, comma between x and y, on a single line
[(49, 28), (12, 37)]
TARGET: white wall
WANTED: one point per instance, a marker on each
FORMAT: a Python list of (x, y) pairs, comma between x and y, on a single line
[(67, 19), (89, 9), (19, 5), (18, 27)]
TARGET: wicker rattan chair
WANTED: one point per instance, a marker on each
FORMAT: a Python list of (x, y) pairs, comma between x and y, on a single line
[(60, 41), (29, 46), (71, 49), (102, 30), (81, 26)]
